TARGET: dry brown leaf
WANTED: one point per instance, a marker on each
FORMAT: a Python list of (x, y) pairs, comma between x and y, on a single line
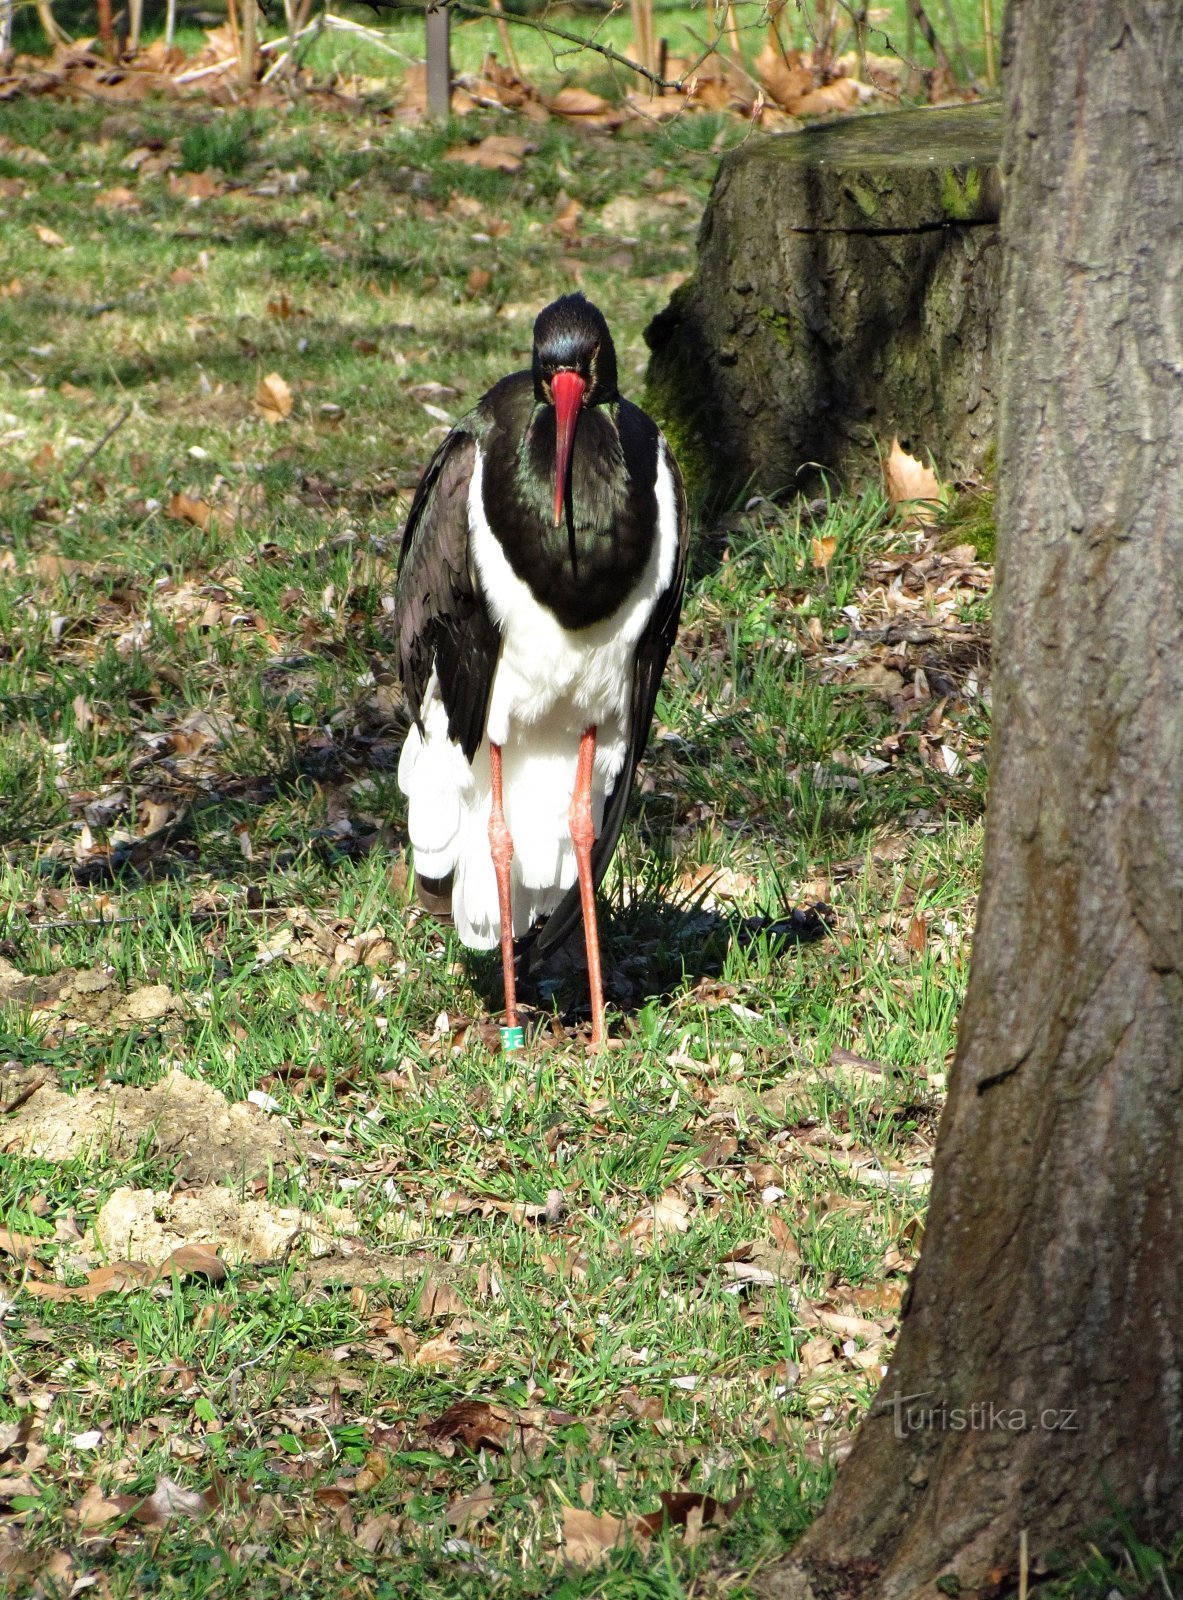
[(119, 1277), (470, 1509), (476, 1424), (589, 1536), (118, 199), (822, 550), (668, 1214), (194, 185), (478, 280), (784, 76), (815, 1353), (567, 221), (273, 398), (841, 95), (437, 1300), (910, 483), (194, 1261), (20, 1246), (95, 1508), (375, 1470), (168, 1502), (499, 152), (199, 512), (917, 933), (687, 1509), (442, 1351), (49, 237), (584, 105)]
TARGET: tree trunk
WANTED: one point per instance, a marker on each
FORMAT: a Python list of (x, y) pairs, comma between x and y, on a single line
[(1050, 1290), (846, 285)]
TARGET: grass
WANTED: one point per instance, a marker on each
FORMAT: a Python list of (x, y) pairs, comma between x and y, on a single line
[(632, 1255)]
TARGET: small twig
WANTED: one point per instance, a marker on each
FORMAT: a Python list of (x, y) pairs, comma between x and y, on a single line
[(26, 1093), (916, 9), (110, 434)]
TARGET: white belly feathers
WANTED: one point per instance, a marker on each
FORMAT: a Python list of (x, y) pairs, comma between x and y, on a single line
[(550, 684)]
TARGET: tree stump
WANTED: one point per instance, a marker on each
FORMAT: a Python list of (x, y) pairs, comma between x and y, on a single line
[(846, 291)]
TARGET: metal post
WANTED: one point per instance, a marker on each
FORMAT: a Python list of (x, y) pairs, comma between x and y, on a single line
[(439, 62)]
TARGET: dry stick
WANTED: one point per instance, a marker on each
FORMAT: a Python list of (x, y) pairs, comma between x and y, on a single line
[(106, 30), (232, 24), (967, 73), (733, 40), (511, 55), (26, 1093), (916, 9), (250, 33), (988, 33), (110, 434), (50, 26)]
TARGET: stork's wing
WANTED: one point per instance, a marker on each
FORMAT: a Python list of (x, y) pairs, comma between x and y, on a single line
[(443, 623), (653, 649)]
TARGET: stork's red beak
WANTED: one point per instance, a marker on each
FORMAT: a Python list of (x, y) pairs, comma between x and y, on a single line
[(567, 389)]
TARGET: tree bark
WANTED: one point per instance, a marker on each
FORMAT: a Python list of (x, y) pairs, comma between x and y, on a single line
[(1050, 1288), (845, 291)]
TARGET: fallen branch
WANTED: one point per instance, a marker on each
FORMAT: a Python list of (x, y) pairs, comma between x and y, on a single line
[(110, 434)]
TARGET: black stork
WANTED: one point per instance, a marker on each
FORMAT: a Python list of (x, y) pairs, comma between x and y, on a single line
[(539, 588)]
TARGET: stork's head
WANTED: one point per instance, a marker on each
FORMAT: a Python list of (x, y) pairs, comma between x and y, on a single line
[(574, 366)]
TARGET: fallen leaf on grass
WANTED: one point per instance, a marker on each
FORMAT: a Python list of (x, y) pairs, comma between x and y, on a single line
[(199, 512), (470, 1509), (120, 198), (822, 550), (584, 105), (194, 185), (785, 75), (476, 1424), (687, 1509), (841, 95), (442, 1351), (589, 1536), (272, 399), (910, 483), (668, 1214), (499, 152), (438, 1300), (95, 1507), (193, 1261), (478, 280), (118, 1277), (169, 1502), (20, 1246), (49, 237)]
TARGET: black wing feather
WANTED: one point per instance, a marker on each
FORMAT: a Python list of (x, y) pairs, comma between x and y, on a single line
[(443, 622), (653, 650)]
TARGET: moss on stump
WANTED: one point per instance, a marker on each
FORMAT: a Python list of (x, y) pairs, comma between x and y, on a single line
[(845, 292)]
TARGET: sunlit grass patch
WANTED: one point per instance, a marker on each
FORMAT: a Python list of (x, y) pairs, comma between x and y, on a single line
[(633, 1255)]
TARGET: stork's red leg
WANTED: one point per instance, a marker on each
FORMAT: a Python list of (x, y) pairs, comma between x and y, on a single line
[(583, 836), (501, 844)]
